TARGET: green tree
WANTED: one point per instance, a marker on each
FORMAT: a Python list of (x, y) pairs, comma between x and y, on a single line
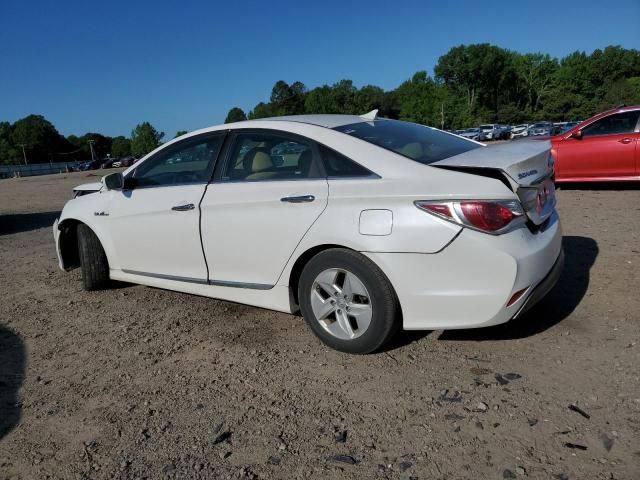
[(120, 147), (41, 139), (369, 98), (262, 110), (288, 99), (319, 100), (9, 154), (179, 133), (236, 114), (479, 71), (145, 138)]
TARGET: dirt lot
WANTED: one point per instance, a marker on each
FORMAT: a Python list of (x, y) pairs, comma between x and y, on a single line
[(136, 382)]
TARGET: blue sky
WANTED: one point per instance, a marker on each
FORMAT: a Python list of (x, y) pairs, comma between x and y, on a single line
[(106, 66)]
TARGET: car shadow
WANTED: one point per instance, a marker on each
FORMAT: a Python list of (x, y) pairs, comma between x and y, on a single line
[(24, 222), (404, 338), (580, 255), (12, 370)]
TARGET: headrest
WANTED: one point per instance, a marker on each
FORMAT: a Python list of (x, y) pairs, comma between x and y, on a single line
[(304, 162), (257, 160)]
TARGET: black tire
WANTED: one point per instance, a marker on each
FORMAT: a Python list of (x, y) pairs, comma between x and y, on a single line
[(385, 307), (93, 261)]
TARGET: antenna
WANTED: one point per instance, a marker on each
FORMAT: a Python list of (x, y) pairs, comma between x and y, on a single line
[(372, 115)]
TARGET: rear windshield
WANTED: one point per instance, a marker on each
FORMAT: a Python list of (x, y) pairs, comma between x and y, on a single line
[(417, 142)]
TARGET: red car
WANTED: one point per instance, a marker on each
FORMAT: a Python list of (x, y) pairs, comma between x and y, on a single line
[(604, 148)]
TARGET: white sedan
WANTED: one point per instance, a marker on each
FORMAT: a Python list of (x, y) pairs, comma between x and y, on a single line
[(363, 224)]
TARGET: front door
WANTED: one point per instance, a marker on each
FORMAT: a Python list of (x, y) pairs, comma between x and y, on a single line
[(606, 149), (268, 192), (154, 221)]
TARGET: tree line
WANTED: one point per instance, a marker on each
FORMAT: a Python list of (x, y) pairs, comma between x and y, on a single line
[(474, 84), (470, 85), (34, 139)]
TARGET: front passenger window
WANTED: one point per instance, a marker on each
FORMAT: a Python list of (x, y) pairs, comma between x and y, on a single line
[(188, 161), (613, 124)]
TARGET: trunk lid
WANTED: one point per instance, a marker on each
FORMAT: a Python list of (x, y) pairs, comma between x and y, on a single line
[(525, 166)]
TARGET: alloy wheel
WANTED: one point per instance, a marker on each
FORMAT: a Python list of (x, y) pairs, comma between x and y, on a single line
[(341, 303)]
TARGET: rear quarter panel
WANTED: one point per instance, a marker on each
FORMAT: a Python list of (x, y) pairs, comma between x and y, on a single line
[(413, 230)]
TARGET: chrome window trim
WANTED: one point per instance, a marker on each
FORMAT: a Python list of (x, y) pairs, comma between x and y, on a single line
[(371, 176), (219, 181), (184, 184)]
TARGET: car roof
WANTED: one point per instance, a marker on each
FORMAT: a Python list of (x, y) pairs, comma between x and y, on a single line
[(322, 120)]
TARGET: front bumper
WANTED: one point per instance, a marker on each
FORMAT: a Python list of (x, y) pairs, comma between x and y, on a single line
[(469, 283)]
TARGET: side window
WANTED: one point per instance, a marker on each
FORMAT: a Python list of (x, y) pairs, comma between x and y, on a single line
[(267, 156), (189, 161), (338, 165), (613, 124)]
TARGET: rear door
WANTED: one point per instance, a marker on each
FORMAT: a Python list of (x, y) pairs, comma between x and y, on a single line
[(606, 149), (268, 191)]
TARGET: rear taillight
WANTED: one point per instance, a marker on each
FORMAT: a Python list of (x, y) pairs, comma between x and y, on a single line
[(491, 216)]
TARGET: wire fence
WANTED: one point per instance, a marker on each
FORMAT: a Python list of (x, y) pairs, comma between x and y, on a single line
[(10, 171)]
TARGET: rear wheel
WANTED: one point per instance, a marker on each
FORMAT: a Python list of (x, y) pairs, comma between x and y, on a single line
[(93, 261), (348, 301)]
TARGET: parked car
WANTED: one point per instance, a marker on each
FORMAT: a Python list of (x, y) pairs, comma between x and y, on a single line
[(471, 133), (519, 131), (504, 132), (566, 126), (541, 129), (90, 165), (107, 163), (606, 147), (367, 225), (489, 132), (128, 161)]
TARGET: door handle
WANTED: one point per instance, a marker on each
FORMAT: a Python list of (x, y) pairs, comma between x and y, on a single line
[(626, 140), (183, 208), (298, 199)]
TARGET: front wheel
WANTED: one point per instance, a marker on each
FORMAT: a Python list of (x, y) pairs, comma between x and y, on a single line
[(93, 261), (348, 301)]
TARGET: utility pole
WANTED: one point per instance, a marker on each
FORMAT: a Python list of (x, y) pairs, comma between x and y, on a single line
[(93, 156), (24, 154)]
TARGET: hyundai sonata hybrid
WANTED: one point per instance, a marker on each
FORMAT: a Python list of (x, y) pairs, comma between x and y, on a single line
[(362, 224)]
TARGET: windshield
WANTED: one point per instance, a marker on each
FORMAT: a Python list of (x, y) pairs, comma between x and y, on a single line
[(541, 125), (486, 127), (417, 142)]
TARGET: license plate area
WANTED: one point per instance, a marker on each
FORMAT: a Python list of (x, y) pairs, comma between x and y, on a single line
[(538, 201)]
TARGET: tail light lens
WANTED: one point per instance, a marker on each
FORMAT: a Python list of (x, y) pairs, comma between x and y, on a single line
[(491, 216)]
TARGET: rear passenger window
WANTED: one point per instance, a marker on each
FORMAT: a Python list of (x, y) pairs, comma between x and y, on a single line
[(338, 165), (267, 156)]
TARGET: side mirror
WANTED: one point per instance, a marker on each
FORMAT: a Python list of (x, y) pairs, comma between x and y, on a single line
[(113, 181), (577, 135)]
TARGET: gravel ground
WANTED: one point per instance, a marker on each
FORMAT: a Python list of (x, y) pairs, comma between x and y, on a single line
[(136, 382)]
